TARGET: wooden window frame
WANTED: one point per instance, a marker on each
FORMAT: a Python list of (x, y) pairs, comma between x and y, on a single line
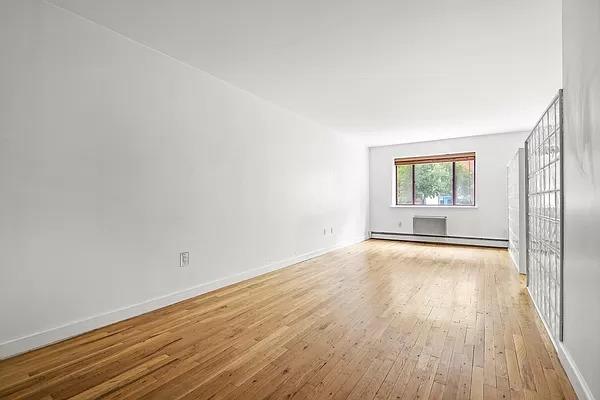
[(441, 158)]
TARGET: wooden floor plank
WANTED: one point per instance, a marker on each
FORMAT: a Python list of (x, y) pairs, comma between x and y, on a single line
[(377, 320)]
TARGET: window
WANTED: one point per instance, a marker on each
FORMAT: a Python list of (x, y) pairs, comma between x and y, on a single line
[(443, 180)]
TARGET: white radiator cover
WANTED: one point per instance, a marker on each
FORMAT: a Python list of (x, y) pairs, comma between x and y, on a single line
[(430, 225)]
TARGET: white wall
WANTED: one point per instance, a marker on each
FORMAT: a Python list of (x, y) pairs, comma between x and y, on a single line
[(114, 158), (489, 217), (517, 220), (581, 76)]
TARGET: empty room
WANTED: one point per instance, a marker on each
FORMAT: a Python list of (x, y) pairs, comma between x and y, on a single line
[(300, 199)]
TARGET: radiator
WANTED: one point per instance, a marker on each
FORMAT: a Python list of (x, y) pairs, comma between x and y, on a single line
[(427, 225)]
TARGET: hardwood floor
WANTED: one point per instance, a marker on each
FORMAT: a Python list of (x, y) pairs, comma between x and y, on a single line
[(377, 320)]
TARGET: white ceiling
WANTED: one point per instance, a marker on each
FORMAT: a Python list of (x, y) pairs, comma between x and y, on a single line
[(391, 71)]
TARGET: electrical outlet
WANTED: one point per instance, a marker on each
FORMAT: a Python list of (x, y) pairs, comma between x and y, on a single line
[(184, 259)]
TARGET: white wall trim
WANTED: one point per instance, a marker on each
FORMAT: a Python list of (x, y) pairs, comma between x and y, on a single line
[(500, 243), (580, 386), (515, 262), (39, 339)]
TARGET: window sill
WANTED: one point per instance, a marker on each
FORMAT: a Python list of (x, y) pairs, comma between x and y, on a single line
[(432, 207)]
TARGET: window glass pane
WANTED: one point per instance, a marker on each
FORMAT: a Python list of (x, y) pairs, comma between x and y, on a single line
[(465, 183), (404, 184), (433, 183)]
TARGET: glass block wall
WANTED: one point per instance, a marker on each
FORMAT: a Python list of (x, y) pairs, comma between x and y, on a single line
[(544, 216)]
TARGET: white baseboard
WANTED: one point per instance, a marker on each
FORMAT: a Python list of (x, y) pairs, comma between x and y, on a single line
[(577, 380), (36, 340), (469, 241)]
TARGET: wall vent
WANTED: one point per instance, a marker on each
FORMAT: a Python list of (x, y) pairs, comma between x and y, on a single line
[(429, 225)]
